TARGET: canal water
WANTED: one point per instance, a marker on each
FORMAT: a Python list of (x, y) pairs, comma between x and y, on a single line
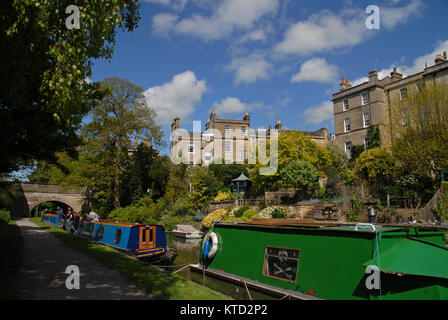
[(188, 253)]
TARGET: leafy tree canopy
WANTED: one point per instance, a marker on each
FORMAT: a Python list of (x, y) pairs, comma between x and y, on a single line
[(44, 67)]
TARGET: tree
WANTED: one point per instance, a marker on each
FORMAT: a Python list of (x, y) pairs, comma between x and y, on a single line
[(376, 167), (136, 179), (225, 173), (292, 145), (119, 118), (419, 127), (44, 65), (300, 174)]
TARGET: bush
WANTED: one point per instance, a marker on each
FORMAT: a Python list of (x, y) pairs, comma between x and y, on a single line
[(217, 215), (262, 204), (249, 214), (239, 213), (271, 212), (5, 215)]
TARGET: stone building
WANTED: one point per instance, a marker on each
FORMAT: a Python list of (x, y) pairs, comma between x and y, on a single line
[(356, 108), (228, 140)]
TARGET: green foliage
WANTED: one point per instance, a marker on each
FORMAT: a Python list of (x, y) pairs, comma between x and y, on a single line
[(5, 215), (441, 210), (47, 80), (250, 213), (376, 167), (292, 146), (300, 174), (262, 204), (419, 128), (217, 215), (356, 151), (225, 173), (351, 215), (374, 136), (239, 213)]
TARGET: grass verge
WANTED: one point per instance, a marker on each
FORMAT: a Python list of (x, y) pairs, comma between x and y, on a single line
[(11, 243), (160, 285)]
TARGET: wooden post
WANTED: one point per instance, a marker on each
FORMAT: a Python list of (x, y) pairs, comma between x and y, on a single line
[(388, 200)]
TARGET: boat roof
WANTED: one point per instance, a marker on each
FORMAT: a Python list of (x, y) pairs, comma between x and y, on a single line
[(123, 224), (412, 256), (186, 228), (334, 226)]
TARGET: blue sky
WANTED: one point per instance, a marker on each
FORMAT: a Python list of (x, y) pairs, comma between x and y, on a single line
[(276, 59)]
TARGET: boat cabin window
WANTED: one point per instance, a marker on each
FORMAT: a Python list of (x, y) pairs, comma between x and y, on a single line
[(281, 263), (151, 235), (117, 236)]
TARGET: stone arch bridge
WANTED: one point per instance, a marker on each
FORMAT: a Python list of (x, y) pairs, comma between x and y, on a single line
[(32, 194)]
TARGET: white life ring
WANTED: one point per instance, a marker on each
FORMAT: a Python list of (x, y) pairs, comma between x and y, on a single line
[(214, 244)]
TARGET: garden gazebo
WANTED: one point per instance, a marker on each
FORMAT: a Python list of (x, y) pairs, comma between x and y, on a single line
[(241, 185)]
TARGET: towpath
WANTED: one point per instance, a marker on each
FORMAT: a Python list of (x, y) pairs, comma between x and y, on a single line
[(42, 275)]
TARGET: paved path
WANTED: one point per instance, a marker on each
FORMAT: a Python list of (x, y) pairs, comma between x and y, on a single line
[(45, 259)]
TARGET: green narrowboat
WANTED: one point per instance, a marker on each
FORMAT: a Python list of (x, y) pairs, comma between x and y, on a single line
[(332, 261)]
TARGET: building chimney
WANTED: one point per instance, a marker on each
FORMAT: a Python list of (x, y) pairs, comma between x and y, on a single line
[(213, 114), (278, 125), (345, 84), (246, 116), (175, 124), (395, 76), (373, 76), (440, 59)]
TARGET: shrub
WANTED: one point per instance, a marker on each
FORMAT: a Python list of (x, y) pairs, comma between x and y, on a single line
[(217, 215), (5, 215), (262, 204), (271, 212), (239, 213), (266, 213), (222, 196), (249, 214)]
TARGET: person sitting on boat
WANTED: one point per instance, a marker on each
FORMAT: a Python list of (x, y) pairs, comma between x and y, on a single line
[(93, 216)]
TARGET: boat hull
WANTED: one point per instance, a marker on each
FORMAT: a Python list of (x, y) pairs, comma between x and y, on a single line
[(328, 263)]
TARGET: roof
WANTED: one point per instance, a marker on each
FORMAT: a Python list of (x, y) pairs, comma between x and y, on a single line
[(413, 256), (242, 177), (186, 228)]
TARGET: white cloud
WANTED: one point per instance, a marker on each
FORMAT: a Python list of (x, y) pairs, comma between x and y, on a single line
[(326, 30), (250, 69), (391, 17), (316, 70), (230, 15), (322, 32), (162, 23), (320, 113), (176, 98), (418, 65), (232, 105), (177, 5)]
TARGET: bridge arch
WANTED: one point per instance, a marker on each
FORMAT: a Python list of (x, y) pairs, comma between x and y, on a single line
[(32, 194)]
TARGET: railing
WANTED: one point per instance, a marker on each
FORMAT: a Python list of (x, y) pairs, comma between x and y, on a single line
[(427, 213)]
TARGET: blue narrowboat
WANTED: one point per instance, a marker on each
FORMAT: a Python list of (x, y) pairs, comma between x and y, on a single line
[(51, 218), (142, 241)]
